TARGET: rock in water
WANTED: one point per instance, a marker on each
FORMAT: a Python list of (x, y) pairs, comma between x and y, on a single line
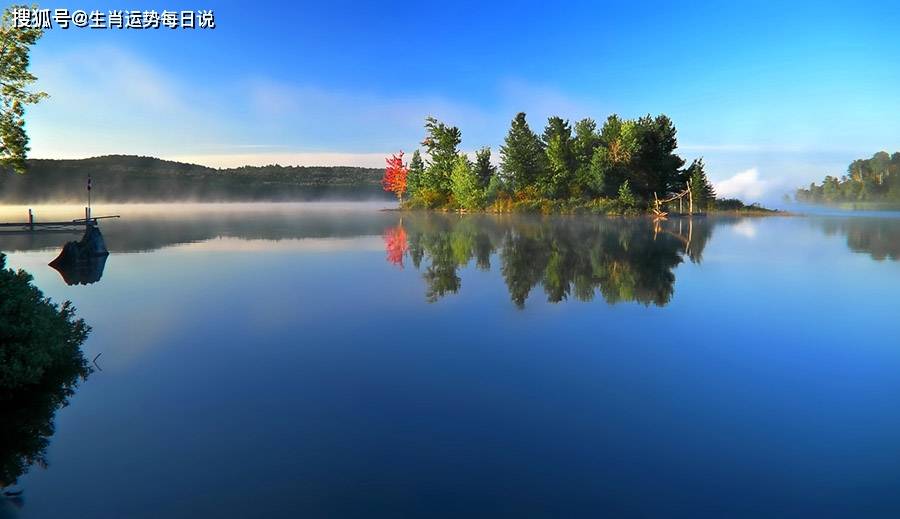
[(82, 262)]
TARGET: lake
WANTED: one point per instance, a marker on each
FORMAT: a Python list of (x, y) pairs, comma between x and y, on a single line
[(331, 360)]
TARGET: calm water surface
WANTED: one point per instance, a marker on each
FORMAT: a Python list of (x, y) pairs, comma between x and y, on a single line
[(323, 360)]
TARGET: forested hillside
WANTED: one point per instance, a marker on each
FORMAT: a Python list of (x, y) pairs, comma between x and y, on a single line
[(125, 178)]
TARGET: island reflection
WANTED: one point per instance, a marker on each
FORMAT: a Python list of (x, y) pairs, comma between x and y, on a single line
[(877, 237), (624, 259)]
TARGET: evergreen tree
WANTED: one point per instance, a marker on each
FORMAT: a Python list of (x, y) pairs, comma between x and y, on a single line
[(702, 191), (612, 161), (464, 184), (522, 154), (441, 143), (554, 181), (626, 196), (484, 170), (415, 174), (655, 167)]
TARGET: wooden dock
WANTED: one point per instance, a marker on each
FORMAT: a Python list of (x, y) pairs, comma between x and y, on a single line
[(62, 226)]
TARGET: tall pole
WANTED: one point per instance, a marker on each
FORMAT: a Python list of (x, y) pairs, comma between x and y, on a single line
[(89, 191), (87, 211)]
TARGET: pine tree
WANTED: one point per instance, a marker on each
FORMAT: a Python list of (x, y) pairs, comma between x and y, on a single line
[(484, 170), (702, 191), (415, 174), (554, 181), (522, 154), (626, 196)]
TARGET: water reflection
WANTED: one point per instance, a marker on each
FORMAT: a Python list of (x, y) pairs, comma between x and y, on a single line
[(82, 262), (622, 259), (880, 238)]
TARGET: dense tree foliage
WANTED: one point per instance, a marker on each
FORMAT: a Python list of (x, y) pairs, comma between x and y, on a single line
[(442, 146), (415, 173), (394, 180), (464, 184), (619, 168), (15, 79), (484, 169), (41, 363), (876, 179), (702, 192), (36, 336)]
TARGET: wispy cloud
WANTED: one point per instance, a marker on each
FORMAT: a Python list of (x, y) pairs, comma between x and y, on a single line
[(317, 117), (109, 100)]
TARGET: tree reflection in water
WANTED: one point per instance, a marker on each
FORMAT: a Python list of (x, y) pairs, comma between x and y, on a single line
[(878, 237), (622, 259)]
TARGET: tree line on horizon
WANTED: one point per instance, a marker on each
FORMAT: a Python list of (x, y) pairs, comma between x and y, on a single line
[(128, 178), (876, 179), (619, 167)]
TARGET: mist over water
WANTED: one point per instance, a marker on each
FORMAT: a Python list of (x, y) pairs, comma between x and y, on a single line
[(334, 359)]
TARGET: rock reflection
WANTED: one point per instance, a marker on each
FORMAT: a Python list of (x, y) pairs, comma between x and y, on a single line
[(622, 259), (82, 262)]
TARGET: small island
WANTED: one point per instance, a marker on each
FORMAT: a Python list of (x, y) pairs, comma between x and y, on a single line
[(869, 181), (626, 167)]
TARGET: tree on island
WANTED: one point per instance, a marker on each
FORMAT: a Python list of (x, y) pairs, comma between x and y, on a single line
[(395, 176), (415, 173), (623, 168), (464, 184), (15, 45), (442, 146), (876, 179)]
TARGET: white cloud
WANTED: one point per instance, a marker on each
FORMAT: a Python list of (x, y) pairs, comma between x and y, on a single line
[(746, 185)]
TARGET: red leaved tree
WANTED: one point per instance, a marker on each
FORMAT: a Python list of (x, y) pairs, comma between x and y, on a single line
[(395, 176), (395, 244)]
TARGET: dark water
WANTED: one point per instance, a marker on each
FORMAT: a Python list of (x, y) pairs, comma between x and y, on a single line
[(287, 361)]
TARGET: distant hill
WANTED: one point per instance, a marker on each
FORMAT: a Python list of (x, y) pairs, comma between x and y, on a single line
[(128, 178)]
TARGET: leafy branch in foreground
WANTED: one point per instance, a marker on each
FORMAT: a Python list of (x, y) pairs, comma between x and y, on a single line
[(15, 79)]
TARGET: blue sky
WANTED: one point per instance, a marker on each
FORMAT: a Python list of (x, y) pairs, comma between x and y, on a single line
[(771, 95)]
